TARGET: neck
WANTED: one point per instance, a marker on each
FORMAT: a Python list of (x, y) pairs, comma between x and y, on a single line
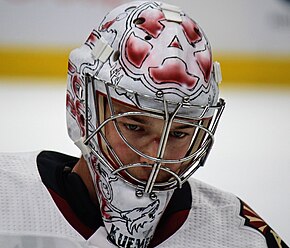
[(81, 168)]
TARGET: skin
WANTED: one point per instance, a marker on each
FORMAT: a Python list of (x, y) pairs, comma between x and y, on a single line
[(144, 133), (81, 168)]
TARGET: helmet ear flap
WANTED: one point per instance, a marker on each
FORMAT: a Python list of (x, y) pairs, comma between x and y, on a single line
[(75, 108), (82, 61)]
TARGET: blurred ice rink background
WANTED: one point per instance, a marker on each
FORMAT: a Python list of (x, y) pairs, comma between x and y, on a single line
[(251, 155)]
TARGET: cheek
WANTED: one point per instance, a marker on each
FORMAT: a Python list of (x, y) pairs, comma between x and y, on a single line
[(176, 151), (124, 153)]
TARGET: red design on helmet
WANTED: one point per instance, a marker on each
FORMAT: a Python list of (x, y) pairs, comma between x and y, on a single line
[(204, 61), (191, 30), (137, 50), (73, 103), (92, 38), (151, 22), (71, 67), (175, 43), (107, 25), (173, 70)]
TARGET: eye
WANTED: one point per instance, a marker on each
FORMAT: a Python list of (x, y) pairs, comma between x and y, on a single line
[(132, 127), (178, 134)]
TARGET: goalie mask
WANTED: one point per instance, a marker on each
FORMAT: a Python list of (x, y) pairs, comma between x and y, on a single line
[(142, 104)]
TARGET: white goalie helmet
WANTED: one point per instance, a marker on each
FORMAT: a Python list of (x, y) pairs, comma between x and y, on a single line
[(142, 96)]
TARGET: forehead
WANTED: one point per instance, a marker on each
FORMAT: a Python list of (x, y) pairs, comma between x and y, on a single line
[(149, 119), (123, 108)]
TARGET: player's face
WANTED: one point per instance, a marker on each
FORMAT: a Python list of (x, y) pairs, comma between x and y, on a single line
[(144, 133)]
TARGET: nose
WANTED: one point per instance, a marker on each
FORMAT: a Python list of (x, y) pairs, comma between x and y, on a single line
[(150, 149)]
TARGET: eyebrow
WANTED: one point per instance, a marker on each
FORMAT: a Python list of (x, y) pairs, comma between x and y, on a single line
[(145, 121), (183, 127), (137, 119)]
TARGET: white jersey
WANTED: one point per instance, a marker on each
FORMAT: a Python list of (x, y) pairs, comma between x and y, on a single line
[(27, 211), (215, 221), (28, 215)]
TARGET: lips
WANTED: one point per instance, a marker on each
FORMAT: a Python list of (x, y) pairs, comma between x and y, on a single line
[(143, 173)]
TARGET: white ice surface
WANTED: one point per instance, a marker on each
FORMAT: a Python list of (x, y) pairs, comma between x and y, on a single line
[(251, 156)]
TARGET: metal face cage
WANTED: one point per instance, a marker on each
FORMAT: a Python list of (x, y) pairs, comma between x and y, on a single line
[(101, 113)]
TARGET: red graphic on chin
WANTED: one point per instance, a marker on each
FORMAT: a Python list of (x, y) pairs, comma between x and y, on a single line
[(173, 70), (151, 24), (137, 50), (103, 202)]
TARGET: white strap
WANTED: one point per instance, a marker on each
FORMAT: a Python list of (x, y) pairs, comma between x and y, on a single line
[(217, 72), (171, 13), (84, 149), (102, 50)]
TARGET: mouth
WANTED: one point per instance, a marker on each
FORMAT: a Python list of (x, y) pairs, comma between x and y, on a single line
[(142, 172), (144, 175)]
